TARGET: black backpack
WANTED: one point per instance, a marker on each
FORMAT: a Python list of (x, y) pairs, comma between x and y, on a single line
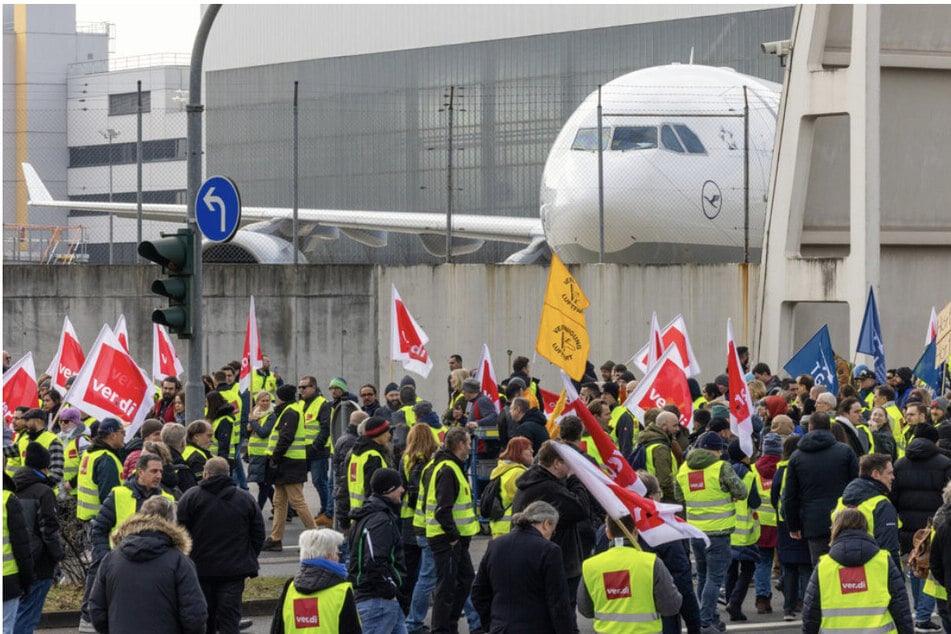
[(490, 501), (638, 458)]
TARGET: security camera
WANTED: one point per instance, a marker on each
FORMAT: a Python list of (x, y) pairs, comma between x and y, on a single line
[(779, 47)]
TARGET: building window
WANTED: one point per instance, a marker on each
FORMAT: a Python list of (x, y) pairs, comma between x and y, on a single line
[(124, 153), (127, 103)]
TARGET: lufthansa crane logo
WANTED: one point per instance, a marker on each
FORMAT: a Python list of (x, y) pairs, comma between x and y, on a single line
[(710, 199)]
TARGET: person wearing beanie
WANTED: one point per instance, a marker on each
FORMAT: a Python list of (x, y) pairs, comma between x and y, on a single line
[(38, 501), (903, 385), (708, 486), (480, 411), (376, 566), (623, 426), (744, 552), (391, 396), (939, 410), (371, 452), (287, 466), (74, 438), (424, 413), (342, 406), (35, 430), (783, 426), (150, 431), (340, 459), (763, 471)]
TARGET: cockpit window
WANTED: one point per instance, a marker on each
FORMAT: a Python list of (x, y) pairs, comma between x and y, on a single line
[(670, 140), (587, 139), (634, 138), (691, 140)]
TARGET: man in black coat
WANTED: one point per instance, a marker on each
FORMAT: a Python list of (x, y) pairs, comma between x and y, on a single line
[(816, 476), (227, 532), (529, 422), (15, 584), (552, 481)]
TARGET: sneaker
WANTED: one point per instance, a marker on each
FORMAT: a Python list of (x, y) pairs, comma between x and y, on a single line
[(244, 624), (789, 616), (927, 626), (271, 546), (86, 626)]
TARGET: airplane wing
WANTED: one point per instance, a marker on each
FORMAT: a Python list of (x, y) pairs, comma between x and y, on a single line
[(365, 226)]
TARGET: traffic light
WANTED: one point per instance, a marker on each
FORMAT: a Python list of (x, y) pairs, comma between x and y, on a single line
[(174, 253)]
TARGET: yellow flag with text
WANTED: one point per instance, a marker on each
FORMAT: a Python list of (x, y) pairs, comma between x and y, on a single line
[(563, 333)]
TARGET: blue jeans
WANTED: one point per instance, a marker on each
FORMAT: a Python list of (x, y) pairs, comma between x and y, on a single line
[(320, 476), (712, 564), (763, 573), (924, 604), (425, 583), (381, 616), (10, 614), (31, 608)]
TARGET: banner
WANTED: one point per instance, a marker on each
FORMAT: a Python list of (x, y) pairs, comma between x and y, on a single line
[(110, 384), (69, 357), (548, 400), (407, 339), (870, 337), (816, 359), (925, 368), (251, 358), (656, 346), (19, 386), (665, 383), (164, 360), (741, 407), (122, 332), (563, 331), (485, 375), (674, 333)]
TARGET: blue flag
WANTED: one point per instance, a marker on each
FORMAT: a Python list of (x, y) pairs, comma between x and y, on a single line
[(816, 359), (870, 337), (925, 370)]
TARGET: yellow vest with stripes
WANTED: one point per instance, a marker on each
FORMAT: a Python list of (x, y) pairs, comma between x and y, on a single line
[(780, 516), (297, 450), (127, 505), (764, 486), (855, 599), (708, 506), (10, 566), (314, 613), (504, 525), (310, 418), (259, 383), (897, 423), (356, 481), (621, 584), (257, 446), (419, 513), (747, 530), (213, 447), (866, 508), (46, 439), (932, 588), (87, 491), (463, 513), (71, 459)]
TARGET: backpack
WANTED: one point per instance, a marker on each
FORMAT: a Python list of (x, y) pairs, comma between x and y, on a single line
[(638, 458), (490, 501), (919, 561)]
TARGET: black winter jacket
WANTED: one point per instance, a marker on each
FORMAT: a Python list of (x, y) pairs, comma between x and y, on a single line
[(376, 567), (521, 586), (941, 546), (884, 516), (226, 528), (314, 578), (855, 548), (340, 460), (150, 560), (103, 523), (532, 426), (39, 506), (284, 470), (817, 474), (16, 584), (319, 448), (569, 498), (919, 478), (184, 477)]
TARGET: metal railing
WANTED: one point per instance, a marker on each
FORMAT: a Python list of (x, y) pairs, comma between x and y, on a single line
[(44, 244)]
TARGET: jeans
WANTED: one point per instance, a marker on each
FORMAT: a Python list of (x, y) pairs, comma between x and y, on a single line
[(381, 616), (425, 582), (265, 494), (454, 576), (320, 476), (795, 580), (31, 608), (923, 604), (712, 564), (224, 604), (763, 574), (237, 472), (10, 614)]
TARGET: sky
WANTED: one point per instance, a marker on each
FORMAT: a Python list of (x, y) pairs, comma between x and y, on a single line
[(144, 28)]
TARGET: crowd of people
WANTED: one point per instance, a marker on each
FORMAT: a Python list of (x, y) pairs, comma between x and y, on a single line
[(845, 498)]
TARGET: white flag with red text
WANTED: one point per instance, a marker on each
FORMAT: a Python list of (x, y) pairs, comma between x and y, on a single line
[(122, 332), (485, 375), (251, 359), (407, 339), (655, 521), (69, 357), (673, 333), (164, 360), (741, 406), (19, 386), (110, 384), (664, 384)]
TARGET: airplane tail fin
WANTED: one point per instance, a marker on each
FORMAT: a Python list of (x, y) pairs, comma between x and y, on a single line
[(34, 184)]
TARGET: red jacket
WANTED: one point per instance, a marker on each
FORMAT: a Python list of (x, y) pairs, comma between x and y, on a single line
[(766, 466)]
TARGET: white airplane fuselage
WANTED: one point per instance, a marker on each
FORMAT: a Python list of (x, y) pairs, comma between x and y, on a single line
[(673, 169)]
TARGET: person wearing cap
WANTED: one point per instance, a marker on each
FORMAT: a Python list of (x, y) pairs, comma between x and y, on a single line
[(708, 486), (38, 501), (480, 411), (341, 459), (74, 439), (34, 430), (150, 431), (315, 417), (100, 469), (623, 426), (372, 451), (865, 382), (376, 568)]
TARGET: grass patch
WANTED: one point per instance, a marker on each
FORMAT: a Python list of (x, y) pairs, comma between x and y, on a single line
[(69, 597)]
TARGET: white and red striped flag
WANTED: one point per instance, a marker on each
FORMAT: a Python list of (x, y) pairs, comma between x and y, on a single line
[(673, 333), (122, 332), (664, 384), (485, 375), (251, 359), (19, 386), (407, 339), (69, 357), (164, 360), (741, 407)]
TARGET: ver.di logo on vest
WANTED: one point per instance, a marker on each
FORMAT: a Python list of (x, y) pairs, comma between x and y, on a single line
[(305, 613), (617, 585), (853, 580), (696, 481)]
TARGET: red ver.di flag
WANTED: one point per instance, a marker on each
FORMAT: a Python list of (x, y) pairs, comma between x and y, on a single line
[(741, 407), (164, 360), (252, 359), (673, 333), (664, 384), (19, 386), (110, 384), (407, 339), (485, 375), (69, 357), (122, 332)]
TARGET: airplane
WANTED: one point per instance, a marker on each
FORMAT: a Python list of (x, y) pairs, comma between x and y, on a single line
[(673, 172)]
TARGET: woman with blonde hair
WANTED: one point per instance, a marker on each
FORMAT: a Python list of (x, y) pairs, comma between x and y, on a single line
[(420, 446), (261, 420), (456, 399), (857, 586)]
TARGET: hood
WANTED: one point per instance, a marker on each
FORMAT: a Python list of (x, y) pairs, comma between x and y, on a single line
[(921, 449), (861, 489), (536, 474), (27, 476), (816, 441), (505, 466), (651, 433), (221, 486), (312, 578), (766, 465), (535, 415), (146, 537), (224, 410), (853, 548), (375, 504), (701, 459)]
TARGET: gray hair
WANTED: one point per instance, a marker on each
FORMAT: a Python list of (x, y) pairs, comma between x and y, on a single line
[(651, 483), (536, 513), (216, 466), (828, 398), (319, 542), (160, 506), (173, 435)]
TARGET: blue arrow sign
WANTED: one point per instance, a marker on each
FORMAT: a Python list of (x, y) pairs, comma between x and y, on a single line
[(218, 209)]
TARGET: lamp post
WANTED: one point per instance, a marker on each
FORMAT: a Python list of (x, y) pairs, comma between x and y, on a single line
[(109, 134)]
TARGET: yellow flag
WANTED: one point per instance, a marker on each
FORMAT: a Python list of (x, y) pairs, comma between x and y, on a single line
[(552, 424), (563, 332)]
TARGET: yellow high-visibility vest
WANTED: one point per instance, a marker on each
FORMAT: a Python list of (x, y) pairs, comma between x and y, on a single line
[(621, 584), (747, 530), (87, 491), (855, 599), (463, 512), (708, 506), (766, 512), (314, 613)]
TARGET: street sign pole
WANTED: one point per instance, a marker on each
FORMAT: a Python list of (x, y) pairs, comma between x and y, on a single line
[(194, 389)]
